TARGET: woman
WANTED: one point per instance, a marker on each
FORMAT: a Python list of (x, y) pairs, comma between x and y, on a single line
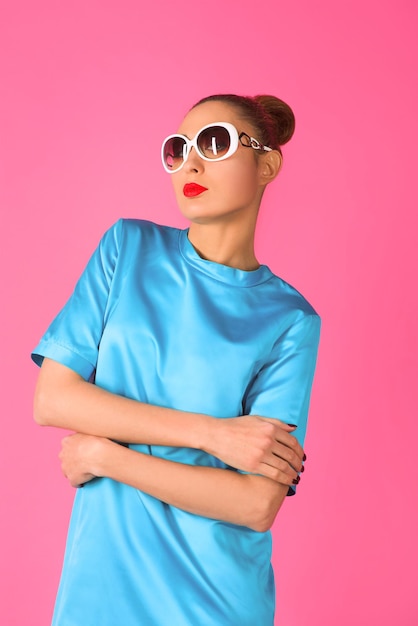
[(179, 328)]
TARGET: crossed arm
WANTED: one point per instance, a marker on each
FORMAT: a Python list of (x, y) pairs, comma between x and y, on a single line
[(253, 444)]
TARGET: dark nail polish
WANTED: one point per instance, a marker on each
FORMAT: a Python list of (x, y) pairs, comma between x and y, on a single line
[(304, 457), (302, 469), (292, 425), (295, 481)]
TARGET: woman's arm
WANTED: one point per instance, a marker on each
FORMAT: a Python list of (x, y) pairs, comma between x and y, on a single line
[(249, 443), (246, 500)]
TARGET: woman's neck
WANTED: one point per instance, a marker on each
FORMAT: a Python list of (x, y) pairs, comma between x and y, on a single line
[(225, 244)]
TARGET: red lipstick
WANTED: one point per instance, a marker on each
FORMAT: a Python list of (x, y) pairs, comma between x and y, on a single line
[(191, 190)]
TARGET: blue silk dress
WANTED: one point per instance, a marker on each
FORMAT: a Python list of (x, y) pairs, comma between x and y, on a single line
[(151, 320)]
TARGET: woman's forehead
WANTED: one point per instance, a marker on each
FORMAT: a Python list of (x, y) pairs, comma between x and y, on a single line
[(208, 113)]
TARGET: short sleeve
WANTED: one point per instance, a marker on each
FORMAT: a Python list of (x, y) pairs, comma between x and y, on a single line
[(73, 337), (282, 387)]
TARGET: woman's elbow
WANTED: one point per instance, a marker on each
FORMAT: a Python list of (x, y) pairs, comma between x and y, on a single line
[(267, 505), (262, 523)]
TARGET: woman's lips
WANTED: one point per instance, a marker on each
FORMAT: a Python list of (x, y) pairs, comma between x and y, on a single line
[(193, 189)]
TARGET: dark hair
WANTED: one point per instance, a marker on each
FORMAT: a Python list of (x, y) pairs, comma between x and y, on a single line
[(271, 117)]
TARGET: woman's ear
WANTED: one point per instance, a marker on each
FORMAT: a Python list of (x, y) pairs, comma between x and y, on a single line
[(270, 164)]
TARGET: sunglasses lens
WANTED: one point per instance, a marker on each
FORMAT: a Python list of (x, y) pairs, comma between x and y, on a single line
[(173, 153), (214, 142)]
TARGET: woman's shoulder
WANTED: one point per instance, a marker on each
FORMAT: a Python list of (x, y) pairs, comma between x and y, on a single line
[(128, 233), (139, 227), (287, 295)]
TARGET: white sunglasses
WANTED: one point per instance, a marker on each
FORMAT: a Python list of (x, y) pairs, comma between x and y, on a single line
[(213, 142)]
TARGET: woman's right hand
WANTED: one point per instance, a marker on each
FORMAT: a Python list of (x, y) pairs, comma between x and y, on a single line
[(258, 445)]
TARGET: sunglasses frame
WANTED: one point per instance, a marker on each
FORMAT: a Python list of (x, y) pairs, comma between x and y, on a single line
[(234, 137)]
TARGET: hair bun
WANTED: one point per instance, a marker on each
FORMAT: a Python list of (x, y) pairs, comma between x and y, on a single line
[(281, 115)]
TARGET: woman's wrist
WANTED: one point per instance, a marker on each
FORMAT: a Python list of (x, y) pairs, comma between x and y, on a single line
[(204, 434), (98, 455)]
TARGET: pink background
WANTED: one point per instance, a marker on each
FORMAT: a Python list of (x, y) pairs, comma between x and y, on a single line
[(87, 91)]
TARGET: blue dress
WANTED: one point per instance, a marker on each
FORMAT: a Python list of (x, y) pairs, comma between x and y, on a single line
[(151, 320)]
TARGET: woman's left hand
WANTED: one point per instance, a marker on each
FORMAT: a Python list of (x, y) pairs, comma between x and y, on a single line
[(77, 456)]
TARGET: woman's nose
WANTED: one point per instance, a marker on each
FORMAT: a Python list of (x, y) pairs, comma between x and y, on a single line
[(194, 162)]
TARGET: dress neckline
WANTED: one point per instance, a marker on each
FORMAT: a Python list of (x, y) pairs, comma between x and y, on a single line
[(223, 273)]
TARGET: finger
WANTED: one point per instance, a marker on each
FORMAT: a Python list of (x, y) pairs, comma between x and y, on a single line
[(276, 474), (277, 422), (290, 441), (281, 455), (293, 456), (284, 434), (75, 481), (281, 465)]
